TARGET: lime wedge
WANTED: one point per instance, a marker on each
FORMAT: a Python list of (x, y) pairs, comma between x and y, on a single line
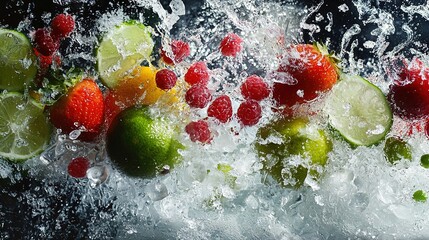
[(24, 129), (359, 111), (17, 61), (122, 49)]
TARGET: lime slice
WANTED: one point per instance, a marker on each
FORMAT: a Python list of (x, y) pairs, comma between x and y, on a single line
[(359, 111), (17, 61), (122, 49), (24, 129)]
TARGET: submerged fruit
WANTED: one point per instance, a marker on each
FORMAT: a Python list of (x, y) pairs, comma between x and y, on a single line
[(359, 111), (283, 139), (420, 196), (396, 149), (304, 74), (180, 51), (138, 88), (230, 45), (122, 49), (409, 93), (62, 25), (17, 61), (221, 109), (142, 145), (24, 129), (82, 108), (78, 166), (197, 73)]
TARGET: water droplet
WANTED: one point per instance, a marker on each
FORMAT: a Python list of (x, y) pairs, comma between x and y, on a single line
[(97, 175)]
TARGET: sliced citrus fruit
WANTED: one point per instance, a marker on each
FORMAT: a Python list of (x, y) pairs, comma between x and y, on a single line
[(122, 49), (138, 88), (359, 111), (17, 61), (24, 129)]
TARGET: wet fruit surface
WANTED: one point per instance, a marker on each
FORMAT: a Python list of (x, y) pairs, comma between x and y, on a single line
[(140, 145)]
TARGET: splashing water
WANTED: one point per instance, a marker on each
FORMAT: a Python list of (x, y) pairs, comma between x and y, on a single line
[(360, 196)]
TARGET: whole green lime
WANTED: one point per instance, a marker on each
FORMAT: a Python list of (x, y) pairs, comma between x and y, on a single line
[(141, 145), (280, 140)]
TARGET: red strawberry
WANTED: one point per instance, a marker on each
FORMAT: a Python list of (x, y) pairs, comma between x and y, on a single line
[(62, 25), (221, 109), (180, 50), (409, 93), (81, 108), (305, 73)]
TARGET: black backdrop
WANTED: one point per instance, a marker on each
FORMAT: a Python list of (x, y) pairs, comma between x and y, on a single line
[(14, 11), (16, 221)]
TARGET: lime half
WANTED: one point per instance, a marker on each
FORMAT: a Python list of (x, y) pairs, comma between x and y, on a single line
[(17, 61), (122, 49), (359, 111), (24, 129)]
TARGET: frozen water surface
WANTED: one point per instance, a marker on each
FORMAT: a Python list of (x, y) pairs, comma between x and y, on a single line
[(359, 196)]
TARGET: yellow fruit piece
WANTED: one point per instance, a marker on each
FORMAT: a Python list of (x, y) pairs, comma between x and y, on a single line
[(140, 88)]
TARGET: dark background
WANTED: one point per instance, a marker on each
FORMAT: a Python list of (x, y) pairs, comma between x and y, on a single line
[(16, 220), (12, 12)]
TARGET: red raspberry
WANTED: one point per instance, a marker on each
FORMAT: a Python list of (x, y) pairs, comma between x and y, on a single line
[(165, 79), (198, 96), (44, 61), (45, 44), (249, 112), (199, 131), (255, 88), (197, 74), (78, 166), (62, 25), (180, 50), (230, 45), (221, 109)]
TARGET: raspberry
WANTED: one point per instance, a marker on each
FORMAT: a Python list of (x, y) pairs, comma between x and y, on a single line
[(249, 112), (165, 79), (199, 131), (62, 25), (221, 109), (44, 61), (77, 167), (198, 96), (180, 50), (230, 45), (197, 74), (254, 88), (45, 44)]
